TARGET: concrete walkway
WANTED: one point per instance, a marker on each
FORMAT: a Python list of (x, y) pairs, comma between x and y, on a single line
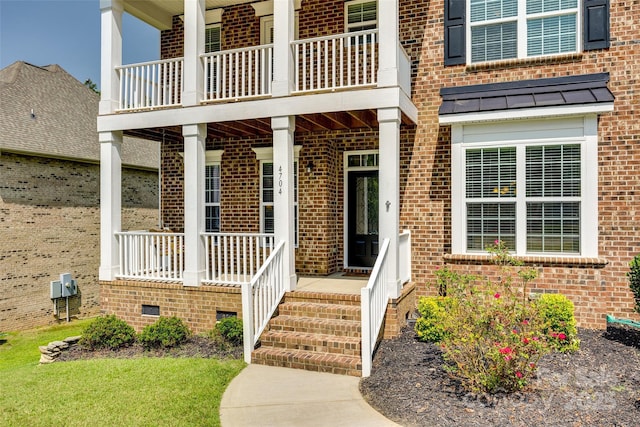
[(270, 396)]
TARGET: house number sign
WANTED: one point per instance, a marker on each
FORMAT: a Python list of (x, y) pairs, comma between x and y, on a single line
[(280, 180)]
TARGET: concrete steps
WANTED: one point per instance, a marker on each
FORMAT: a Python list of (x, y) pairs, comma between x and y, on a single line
[(315, 332)]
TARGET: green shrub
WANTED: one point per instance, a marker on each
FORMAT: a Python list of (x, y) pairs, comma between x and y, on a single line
[(634, 280), (430, 326), (107, 332), (166, 332), (493, 334), (231, 330), (559, 323)]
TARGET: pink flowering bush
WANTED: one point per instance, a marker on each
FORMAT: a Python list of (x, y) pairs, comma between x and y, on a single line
[(559, 323), (493, 335)]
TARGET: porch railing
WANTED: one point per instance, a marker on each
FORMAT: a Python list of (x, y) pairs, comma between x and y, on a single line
[(151, 84), (404, 255), (336, 61), (373, 299), (233, 259), (261, 297), (150, 255), (238, 73)]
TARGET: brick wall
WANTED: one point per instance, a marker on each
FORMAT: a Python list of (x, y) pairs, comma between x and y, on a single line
[(425, 156), (197, 306), (50, 224)]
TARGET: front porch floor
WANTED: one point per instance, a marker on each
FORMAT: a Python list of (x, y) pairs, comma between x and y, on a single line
[(337, 283)]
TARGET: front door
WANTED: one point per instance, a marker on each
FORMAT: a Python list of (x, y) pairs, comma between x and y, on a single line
[(362, 218)]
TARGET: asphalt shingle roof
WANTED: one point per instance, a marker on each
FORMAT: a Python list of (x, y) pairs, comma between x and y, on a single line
[(64, 118), (552, 92)]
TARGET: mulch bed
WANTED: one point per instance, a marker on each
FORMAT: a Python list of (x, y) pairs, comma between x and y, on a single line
[(596, 386), (196, 346)]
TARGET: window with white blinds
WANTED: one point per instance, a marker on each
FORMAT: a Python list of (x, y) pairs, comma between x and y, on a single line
[(361, 15), (212, 198), (548, 191), (212, 38), (546, 27)]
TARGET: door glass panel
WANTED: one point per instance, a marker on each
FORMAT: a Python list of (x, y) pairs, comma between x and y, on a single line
[(366, 205)]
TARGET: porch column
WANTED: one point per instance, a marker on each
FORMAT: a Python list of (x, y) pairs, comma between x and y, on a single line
[(110, 203), (283, 34), (111, 54), (283, 187), (194, 164), (389, 38), (389, 191), (194, 28)]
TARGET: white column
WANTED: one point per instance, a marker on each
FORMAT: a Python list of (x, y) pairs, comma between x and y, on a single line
[(389, 38), (284, 33), (110, 203), (389, 191), (194, 27), (111, 54), (283, 187), (193, 188)]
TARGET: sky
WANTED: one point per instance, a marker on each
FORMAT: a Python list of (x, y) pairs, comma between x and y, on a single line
[(67, 33)]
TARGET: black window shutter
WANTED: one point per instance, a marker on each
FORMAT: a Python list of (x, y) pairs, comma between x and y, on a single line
[(596, 24), (454, 32)]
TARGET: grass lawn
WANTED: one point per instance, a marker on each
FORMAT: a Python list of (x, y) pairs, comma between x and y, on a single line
[(107, 392)]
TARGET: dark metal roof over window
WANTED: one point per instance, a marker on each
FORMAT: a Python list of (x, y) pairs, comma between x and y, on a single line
[(553, 92)]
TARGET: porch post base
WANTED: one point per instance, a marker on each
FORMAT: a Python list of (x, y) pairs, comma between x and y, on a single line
[(192, 278), (108, 273)]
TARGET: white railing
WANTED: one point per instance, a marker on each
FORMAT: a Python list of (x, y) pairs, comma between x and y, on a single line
[(336, 61), (373, 299), (233, 259), (261, 297), (404, 256), (151, 84), (405, 71), (150, 255), (238, 73)]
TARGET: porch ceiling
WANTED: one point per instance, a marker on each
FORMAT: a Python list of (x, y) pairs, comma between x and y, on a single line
[(306, 123)]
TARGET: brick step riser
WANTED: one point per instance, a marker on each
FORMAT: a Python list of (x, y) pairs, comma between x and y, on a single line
[(291, 325), (301, 361), (320, 311), (294, 342), (345, 302)]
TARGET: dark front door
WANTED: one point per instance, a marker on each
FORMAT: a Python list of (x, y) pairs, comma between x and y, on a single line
[(363, 218)]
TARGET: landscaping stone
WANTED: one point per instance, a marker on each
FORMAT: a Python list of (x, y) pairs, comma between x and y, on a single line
[(51, 352)]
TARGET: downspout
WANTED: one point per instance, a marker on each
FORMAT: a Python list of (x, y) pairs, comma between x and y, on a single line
[(628, 322)]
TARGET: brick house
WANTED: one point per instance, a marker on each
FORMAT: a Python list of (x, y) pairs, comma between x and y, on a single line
[(379, 138), (49, 193)]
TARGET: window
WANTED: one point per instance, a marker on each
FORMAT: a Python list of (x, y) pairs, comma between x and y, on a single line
[(212, 191), (492, 30), (548, 26), (212, 43), (526, 185), (361, 15), (267, 187), (212, 38)]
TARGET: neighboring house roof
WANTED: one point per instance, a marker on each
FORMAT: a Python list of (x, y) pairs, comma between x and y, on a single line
[(552, 92), (45, 111)]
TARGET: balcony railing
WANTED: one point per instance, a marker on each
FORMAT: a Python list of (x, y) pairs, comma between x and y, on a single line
[(151, 84), (238, 73), (336, 61)]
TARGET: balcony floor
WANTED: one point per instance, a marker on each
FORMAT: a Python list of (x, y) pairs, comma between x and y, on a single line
[(337, 283)]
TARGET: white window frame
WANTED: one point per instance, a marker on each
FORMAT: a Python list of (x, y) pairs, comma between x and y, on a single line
[(580, 130), (265, 155), (521, 20), (348, 27), (210, 27), (214, 158)]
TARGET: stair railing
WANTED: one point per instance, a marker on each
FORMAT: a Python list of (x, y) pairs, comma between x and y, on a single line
[(261, 297), (374, 298)]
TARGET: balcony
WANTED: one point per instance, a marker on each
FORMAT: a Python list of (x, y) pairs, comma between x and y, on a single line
[(324, 64)]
